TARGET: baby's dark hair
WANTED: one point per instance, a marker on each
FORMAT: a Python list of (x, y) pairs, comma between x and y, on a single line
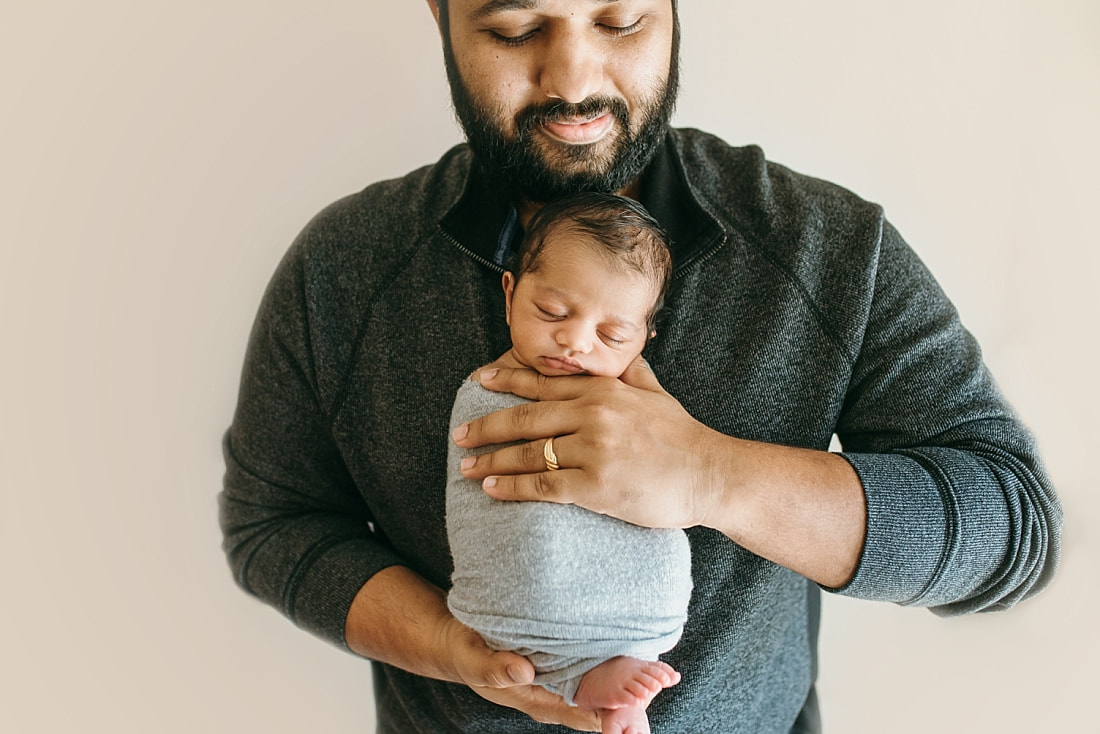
[(627, 233)]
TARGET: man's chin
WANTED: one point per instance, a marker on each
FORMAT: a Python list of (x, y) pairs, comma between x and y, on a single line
[(576, 168), (569, 157), (542, 168)]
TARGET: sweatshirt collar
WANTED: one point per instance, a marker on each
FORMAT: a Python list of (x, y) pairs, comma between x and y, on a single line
[(483, 222)]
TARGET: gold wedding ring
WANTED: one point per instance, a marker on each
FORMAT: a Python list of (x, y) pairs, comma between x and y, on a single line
[(549, 455)]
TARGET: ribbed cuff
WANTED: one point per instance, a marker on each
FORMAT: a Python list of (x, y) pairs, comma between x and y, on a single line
[(323, 594), (906, 529)]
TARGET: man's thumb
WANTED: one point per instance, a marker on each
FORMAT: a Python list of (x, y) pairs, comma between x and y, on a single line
[(507, 669), (639, 374)]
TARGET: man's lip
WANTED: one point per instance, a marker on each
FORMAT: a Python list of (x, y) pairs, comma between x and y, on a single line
[(563, 363), (580, 132)]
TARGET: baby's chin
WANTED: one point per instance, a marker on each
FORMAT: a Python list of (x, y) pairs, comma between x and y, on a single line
[(556, 367), (550, 372), (559, 373), (551, 367)]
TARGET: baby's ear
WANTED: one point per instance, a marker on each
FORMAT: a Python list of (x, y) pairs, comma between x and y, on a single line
[(652, 333), (508, 283)]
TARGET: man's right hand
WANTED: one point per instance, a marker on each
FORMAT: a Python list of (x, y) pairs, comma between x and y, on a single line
[(542, 706), (505, 679), (400, 619)]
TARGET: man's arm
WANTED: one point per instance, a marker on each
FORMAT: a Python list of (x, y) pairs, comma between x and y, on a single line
[(400, 619), (303, 558), (938, 500), (298, 535), (623, 443), (296, 531)]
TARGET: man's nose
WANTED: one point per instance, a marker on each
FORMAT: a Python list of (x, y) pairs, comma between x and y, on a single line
[(572, 69)]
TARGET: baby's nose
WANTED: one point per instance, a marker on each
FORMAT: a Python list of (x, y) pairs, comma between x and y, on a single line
[(575, 338)]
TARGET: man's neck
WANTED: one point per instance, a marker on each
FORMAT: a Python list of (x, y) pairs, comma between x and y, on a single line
[(526, 209)]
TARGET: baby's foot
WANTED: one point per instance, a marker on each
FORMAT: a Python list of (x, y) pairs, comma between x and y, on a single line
[(624, 682), (626, 720)]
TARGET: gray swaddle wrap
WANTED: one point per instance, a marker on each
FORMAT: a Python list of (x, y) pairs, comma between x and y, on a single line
[(563, 586)]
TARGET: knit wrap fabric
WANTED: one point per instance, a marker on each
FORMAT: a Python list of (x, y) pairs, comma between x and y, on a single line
[(565, 587)]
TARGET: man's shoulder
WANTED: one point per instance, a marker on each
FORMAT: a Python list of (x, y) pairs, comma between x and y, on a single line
[(392, 210), (356, 247), (744, 176), (359, 240), (816, 235), (787, 215)]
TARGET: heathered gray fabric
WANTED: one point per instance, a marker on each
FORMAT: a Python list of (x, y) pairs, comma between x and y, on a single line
[(565, 587), (796, 311)]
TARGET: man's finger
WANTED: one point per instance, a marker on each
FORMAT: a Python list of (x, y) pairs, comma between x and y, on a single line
[(477, 665), (527, 421), (532, 385), (639, 374), (523, 458), (547, 486), (542, 706), (506, 669)]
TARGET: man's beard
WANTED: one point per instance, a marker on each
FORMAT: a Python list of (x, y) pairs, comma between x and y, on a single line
[(522, 166)]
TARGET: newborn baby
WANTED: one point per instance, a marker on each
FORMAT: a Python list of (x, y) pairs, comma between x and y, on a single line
[(592, 601)]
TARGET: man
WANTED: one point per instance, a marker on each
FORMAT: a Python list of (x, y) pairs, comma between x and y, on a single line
[(796, 312)]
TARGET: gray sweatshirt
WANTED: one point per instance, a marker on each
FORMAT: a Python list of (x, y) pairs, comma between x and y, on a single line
[(796, 312)]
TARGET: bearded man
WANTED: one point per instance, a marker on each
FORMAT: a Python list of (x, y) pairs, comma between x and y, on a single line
[(796, 312)]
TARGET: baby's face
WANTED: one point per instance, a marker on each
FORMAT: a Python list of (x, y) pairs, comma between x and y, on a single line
[(579, 313)]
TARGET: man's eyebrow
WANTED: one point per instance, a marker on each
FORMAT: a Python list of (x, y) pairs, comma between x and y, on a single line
[(500, 6)]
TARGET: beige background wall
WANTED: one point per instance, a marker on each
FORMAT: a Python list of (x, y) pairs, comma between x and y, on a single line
[(156, 159)]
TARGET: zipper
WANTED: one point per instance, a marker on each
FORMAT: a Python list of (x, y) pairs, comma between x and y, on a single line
[(468, 252), (700, 259)]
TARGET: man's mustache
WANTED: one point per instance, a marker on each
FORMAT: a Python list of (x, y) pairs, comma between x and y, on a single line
[(561, 111)]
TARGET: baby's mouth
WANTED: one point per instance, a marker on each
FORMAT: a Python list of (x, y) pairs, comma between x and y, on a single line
[(564, 364)]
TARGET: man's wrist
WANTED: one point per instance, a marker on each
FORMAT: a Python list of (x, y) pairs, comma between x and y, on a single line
[(401, 619), (801, 508), (719, 491)]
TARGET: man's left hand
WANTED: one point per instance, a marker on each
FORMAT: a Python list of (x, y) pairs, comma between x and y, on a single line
[(626, 447)]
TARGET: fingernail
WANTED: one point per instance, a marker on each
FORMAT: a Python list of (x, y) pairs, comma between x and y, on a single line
[(460, 432), (489, 482), (468, 462), (488, 374)]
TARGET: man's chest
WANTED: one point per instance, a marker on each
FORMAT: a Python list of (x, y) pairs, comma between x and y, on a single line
[(748, 362)]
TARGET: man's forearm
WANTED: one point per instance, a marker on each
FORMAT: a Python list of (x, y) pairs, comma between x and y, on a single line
[(631, 441), (800, 508), (400, 619)]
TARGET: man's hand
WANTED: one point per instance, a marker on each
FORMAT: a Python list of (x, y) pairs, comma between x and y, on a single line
[(628, 449), (400, 619), (505, 679), (542, 706), (625, 446)]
